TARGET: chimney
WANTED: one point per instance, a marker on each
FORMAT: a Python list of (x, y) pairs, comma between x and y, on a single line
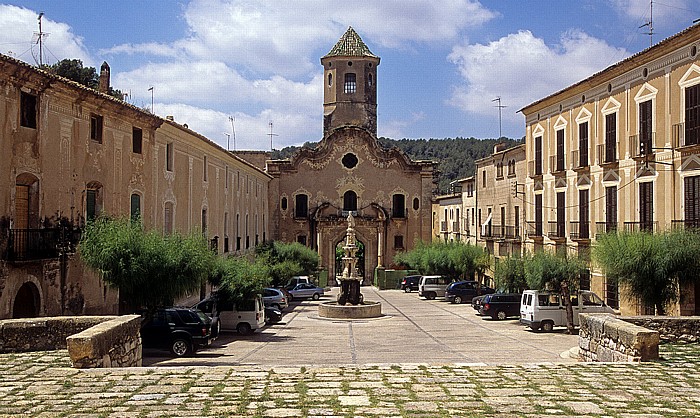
[(171, 118), (499, 147), (104, 78)]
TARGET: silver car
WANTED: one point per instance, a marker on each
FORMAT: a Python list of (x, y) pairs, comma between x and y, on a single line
[(306, 290), (274, 298)]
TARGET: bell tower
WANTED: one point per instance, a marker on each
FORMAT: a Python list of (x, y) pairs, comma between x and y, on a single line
[(350, 85)]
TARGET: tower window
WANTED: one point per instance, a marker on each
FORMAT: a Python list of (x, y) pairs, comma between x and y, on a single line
[(330, 80), (369, 79), (96, 123), (136, 140), (27, 110), (350, 83), (349, 160)]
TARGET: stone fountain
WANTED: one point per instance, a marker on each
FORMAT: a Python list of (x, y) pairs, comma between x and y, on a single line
[(350, 303)]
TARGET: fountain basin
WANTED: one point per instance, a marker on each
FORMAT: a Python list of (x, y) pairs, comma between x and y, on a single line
[(367, 309)]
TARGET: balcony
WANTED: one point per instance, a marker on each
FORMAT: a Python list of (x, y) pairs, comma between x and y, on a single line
[(605, 227), (637, 149), (557, 230), (512, 232), (38, 244), (487, 231), (607, 155), (534, 229), (579, 230), (679, 137), (534, 169), (455, 226), (688, 224), (443, 226), (649, 226)]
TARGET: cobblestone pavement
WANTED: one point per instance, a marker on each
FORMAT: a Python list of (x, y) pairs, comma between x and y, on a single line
[(43, 385)]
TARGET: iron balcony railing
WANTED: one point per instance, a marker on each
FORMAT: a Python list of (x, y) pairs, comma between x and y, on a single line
[(533, 228), (686, 223), (37, 244), (455, 226), (512, 232), (443, 226), (579, 230), (648, 226), (557, 229), (605, 227)]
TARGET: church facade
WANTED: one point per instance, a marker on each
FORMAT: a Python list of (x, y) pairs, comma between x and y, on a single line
[(312, 193)]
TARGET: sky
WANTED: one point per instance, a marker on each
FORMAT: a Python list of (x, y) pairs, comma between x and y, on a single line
[(234, 66)]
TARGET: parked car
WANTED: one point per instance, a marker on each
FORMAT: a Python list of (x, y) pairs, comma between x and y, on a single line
[(245, 319), (476, 303), (410, 283), (181, 330), (306, 290), (272, 315), (431, 287), (295, 280), (464, 291), (546, 310), (500, 305), (274, 298)]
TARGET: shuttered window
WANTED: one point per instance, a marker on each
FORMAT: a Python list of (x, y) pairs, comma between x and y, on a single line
[(610, 208), (538, 155), (646, 206), (610, 137), (561, 214), (692, 115), (645, 128), (583, 144), (538, 215), (560, 150), (692, 200), (583, 213)]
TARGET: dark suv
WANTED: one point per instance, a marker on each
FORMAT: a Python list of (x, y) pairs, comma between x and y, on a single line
[(464, 291), (180, 330), (500, 305), (410, 283)]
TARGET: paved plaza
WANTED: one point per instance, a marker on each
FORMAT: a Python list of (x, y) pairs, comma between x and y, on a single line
[(259, 376)]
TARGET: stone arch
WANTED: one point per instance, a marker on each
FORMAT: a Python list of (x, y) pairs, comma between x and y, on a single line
[(27, 303)]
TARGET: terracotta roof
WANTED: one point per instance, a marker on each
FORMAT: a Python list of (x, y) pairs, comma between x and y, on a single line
[(350, 45)]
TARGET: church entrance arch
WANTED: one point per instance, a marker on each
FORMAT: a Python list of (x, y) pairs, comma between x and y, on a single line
[(27, 302)]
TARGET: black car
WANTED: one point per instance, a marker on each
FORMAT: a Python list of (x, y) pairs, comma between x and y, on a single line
[(464, 291), (180, 330), (501, 305), (410, 283), (272, 315)]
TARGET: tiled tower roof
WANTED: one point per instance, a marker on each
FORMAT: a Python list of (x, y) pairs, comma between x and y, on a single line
[(350, 45)]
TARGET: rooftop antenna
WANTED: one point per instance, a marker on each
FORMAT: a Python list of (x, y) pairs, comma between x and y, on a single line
[(233, 130), (271, 135), (650, 24), (500, 107), (40, 40)]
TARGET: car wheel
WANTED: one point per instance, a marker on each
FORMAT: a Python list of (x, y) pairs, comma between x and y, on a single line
[(215, 327), (501, 315), (180, 347), (407, 289), (457, 299), (430, 296), (244, 328), (547, 326), (316, 296)]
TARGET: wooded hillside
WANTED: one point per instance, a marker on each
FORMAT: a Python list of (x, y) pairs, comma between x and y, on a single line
[(455, 156)]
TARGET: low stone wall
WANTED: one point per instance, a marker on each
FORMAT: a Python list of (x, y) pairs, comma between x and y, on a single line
[(607, 338), (115, 343), (42, 334), (671, 328)]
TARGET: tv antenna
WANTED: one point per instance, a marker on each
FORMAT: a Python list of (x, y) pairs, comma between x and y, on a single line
[(500, 108), (233, 130), (40, 40), (271, 135), (650, 24)]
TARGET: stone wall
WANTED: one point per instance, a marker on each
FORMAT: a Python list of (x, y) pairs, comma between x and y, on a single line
[(40, 334), (607, 338), (670, 328), (115, 343)]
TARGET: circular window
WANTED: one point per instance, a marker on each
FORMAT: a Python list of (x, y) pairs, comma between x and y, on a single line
[(416, 203), (349, 160), (349, 63), (370, 65)]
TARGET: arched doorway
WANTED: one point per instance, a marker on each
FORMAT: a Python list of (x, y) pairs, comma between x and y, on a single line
[(26, 302), (340, 253)]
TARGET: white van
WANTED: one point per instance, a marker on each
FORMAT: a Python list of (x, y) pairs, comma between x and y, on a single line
[(245, 319), (431, 287), (546, 310)]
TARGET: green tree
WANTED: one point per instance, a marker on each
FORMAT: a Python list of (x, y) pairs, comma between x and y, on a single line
[(453, 259), (651, 267), (148, 269), (509, 274), (558, 273), (285, 260), (240, 279), (74, 70)]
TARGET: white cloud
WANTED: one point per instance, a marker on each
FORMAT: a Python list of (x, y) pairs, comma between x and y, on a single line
[(666, 11), (19, 28), (522, 69)]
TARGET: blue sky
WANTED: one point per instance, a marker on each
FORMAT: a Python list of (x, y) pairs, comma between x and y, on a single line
[(442, 61)]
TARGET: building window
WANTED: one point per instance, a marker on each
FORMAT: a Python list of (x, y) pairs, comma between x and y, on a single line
[(93, 200), (204, 168), (511, 168), (583, 144), (349, 160), (226, 249), (645, 128), (516, 214), (226, 177), (416, 203), (301, 208), (499, 171), (692, 115), (646, 206), (238, 232), (204, 221), (692, 201), (560, 150), (96, 122), (168, 218), (169, 156), (398, 207), (301, 239), (330, 80), (283, 203), (538, 155), (538, 215), (561, 214), (350, 201), (398, 242), (610, 208), (583, 214), (610, 137), (28, 109), (350, 83), (135, 206), (136, 140), (483, 179)]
